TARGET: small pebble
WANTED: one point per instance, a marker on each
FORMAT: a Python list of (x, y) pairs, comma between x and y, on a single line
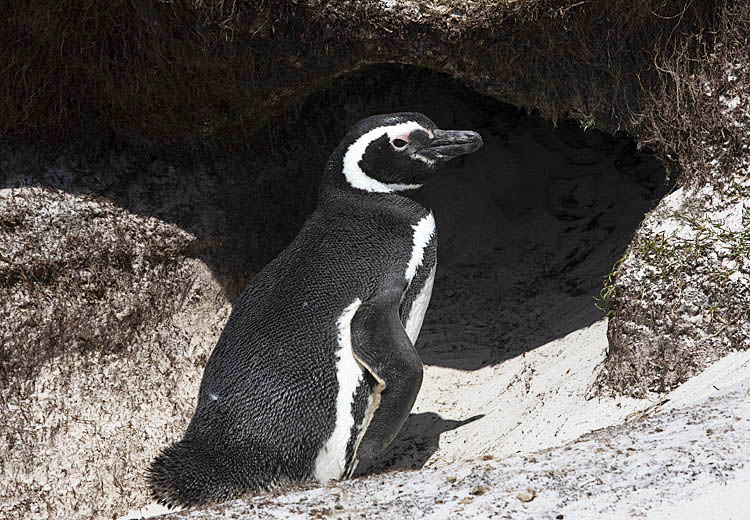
[(527, 496)]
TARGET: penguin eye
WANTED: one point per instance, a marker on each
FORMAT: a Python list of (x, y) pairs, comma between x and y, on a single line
[(399, 143)]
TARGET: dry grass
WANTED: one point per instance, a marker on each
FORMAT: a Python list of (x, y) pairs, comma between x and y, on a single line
[(208, 72), (684, 116)]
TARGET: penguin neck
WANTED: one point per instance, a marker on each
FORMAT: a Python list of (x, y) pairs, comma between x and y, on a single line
[(351, 176), (335, 191), (334, 195)]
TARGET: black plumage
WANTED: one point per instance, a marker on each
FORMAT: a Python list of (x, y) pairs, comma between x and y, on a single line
[(268, 399)]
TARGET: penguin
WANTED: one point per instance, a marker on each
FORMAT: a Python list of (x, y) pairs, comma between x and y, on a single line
[(315, 371)]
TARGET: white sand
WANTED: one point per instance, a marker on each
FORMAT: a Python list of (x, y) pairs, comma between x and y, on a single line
[(688, 462), (537, 401), (530, 402)]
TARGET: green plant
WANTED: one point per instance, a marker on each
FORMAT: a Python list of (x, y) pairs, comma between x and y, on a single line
[(604, 302)]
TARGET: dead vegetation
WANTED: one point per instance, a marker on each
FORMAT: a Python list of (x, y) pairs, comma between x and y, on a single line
[(208, 72)]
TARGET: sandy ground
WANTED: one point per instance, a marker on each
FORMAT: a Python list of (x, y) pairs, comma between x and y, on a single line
[(533, 401), (512, 339), (686, 459)]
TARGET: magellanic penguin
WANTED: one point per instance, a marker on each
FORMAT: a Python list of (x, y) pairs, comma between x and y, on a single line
[(316, 369)]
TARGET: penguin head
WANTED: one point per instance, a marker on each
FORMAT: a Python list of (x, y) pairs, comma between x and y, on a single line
[(396, 152)]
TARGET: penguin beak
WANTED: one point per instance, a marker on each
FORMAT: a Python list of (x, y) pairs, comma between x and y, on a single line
[(448, 144)]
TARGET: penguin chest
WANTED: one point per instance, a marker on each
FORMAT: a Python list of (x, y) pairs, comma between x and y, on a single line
[(414, 316), (420, 276), (334, 459), (358, 394)]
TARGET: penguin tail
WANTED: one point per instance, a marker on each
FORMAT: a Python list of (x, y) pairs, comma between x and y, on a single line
[(186, 474)]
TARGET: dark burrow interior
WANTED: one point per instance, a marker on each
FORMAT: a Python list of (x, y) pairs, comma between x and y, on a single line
[(528, 227)]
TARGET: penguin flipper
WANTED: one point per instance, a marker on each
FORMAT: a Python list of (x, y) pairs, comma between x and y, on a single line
[(381, 346)]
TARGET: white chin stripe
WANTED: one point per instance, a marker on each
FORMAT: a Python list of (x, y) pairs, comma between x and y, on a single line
[(358, 178), (330, 462)]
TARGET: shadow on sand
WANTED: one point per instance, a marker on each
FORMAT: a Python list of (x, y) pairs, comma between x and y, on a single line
[(415, 443)]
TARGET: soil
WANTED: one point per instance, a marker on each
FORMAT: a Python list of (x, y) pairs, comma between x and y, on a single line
[(152, 253)]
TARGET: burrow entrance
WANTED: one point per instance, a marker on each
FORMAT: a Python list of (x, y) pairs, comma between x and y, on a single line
[(528, 227)]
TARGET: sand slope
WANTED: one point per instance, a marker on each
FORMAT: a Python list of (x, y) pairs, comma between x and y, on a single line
[(688, 462)]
